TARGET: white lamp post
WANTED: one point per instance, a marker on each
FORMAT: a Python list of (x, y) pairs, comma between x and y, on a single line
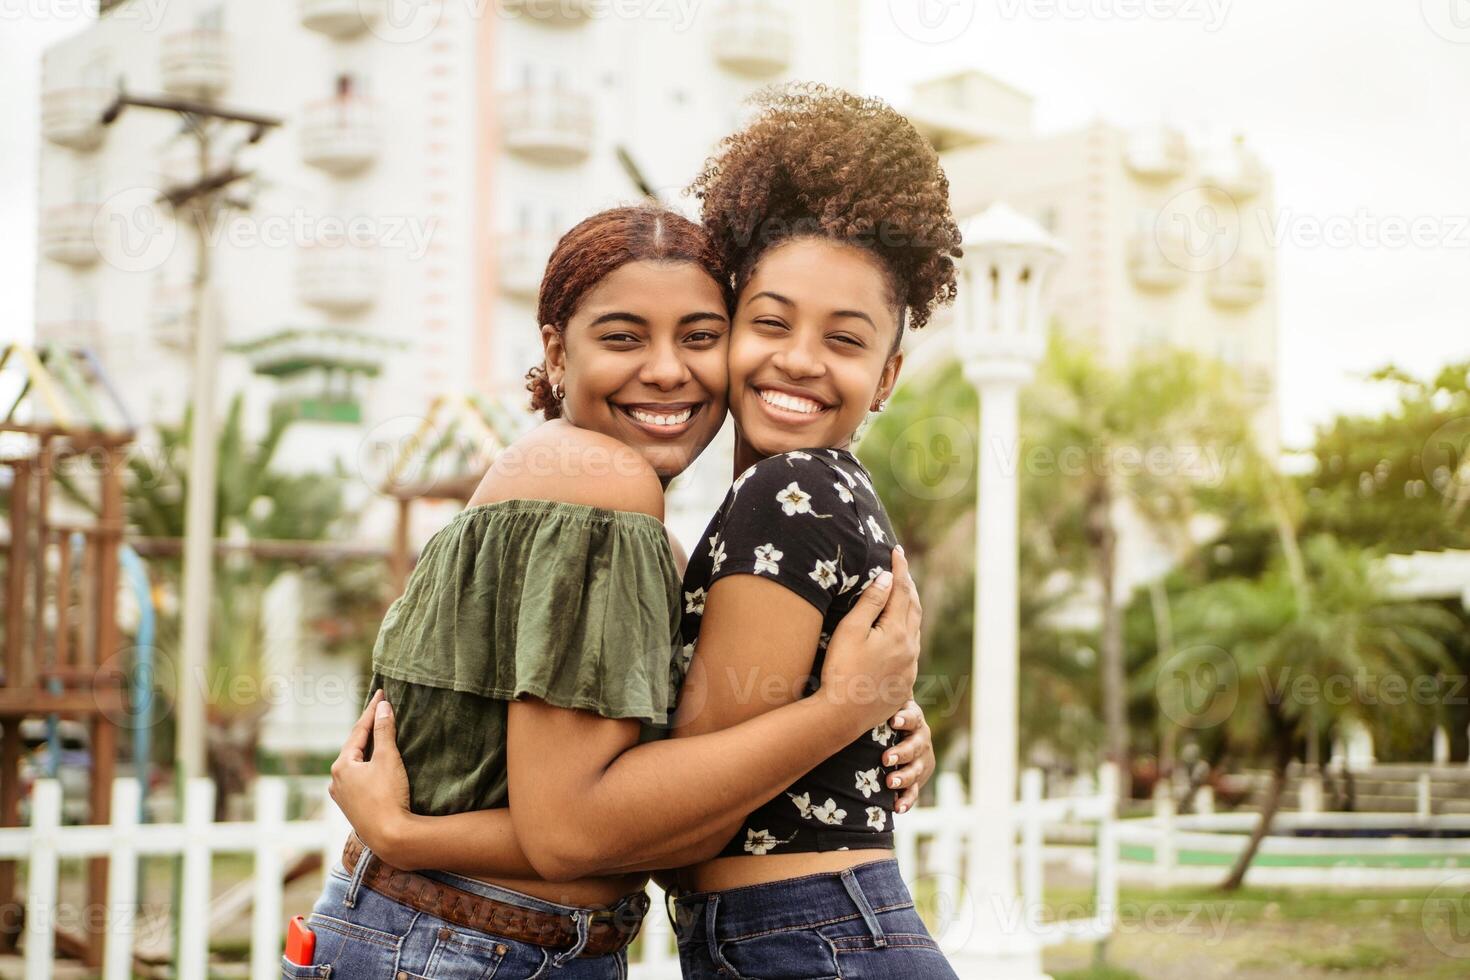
[(1002, 326)]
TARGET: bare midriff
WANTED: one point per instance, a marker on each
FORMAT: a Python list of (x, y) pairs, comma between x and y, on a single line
[(592, 892), (733, 872)]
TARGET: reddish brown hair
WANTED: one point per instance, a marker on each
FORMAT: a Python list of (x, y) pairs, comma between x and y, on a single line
[(599, 245)]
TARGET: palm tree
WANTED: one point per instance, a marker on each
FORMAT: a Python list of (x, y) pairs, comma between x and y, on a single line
[(1328, 617), (1146, 438)]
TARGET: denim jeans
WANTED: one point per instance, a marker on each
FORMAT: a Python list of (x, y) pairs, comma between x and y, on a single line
[(361, 935), (856, 924)]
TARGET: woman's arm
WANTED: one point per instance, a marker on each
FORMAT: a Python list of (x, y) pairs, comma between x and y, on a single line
[(612, 805)]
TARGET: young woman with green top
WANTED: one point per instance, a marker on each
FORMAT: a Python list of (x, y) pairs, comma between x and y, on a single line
[(832, 214), (531, 656)]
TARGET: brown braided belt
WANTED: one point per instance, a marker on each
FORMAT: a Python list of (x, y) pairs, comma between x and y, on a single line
[(609, 930)]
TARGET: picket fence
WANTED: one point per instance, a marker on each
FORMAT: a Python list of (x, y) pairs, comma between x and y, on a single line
[(270, 837)]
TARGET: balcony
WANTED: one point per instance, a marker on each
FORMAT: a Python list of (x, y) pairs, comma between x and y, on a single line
[(1239, 283), (339, 279), (1233, 169), (172, 317), (752, 37), (195, 63), (70, 334), (553, 13), (340, 136), (522, 261), (1158, 153), (1153, 263), (72, 117), (548, 125), (341, 19), (67, 236)]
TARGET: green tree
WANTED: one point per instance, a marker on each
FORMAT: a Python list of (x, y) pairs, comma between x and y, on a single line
[(1260, 648)]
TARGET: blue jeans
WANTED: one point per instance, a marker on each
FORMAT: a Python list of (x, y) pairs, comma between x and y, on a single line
[(361, 935), (856, 924)]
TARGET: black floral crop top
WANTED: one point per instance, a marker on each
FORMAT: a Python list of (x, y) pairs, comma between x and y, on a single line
[(811, 521)]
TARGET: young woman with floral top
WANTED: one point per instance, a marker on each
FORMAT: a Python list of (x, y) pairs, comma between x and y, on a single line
[(531, 655), (833, 215)]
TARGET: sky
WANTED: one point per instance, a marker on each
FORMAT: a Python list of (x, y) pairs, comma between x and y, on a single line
[(1355, 106)]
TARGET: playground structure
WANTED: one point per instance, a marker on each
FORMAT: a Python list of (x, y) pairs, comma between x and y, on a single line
[(457, 440), (61, 581)]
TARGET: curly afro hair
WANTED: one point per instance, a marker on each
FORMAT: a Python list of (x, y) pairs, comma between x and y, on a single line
[(817, 161)]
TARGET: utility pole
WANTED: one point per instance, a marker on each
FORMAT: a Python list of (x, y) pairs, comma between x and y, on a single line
[(201, 204)]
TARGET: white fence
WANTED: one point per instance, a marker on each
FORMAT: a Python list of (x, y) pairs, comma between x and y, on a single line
[(270, 837)]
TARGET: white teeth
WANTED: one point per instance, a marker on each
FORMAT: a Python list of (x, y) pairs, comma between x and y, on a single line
[(793, 403), (647, 418)]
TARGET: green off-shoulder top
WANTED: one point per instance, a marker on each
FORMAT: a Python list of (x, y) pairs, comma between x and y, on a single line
[(572, 604)]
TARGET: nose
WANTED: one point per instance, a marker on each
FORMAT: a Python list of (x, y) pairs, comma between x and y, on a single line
[(798, 358), (665, 368)]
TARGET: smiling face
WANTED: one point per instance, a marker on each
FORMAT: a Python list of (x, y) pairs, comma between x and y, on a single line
[(642, 359), (811, 350)]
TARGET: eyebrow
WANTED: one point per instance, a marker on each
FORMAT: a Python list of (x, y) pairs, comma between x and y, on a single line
[(786, 301), (623, 316)]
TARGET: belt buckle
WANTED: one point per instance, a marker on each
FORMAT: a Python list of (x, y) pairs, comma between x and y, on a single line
[(638, 901)]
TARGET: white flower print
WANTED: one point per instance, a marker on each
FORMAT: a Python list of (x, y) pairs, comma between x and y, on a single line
[(829, 812), (863, 478), (881, 734), (833, 454), (740, 480), (877, 818), (825, 574), (848, 581), (877, 531), (873, 573), (803, 803), (846, 476), (798, 454), (686, 655), (794, 500), (867, 782), (768, 559), (843, 494), (694, 602), (758, 842), (717, 552), (823, 640)]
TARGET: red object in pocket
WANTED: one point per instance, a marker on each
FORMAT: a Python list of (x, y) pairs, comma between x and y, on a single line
[(300, 942)]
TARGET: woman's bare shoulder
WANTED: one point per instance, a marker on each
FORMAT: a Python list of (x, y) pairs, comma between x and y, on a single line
[(558, 461)]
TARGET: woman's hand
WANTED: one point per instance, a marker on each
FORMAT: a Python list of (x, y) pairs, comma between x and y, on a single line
[(915, 754), (373, 793), (870, 667)]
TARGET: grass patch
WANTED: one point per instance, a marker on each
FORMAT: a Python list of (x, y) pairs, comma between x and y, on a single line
[(1358, 956)]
